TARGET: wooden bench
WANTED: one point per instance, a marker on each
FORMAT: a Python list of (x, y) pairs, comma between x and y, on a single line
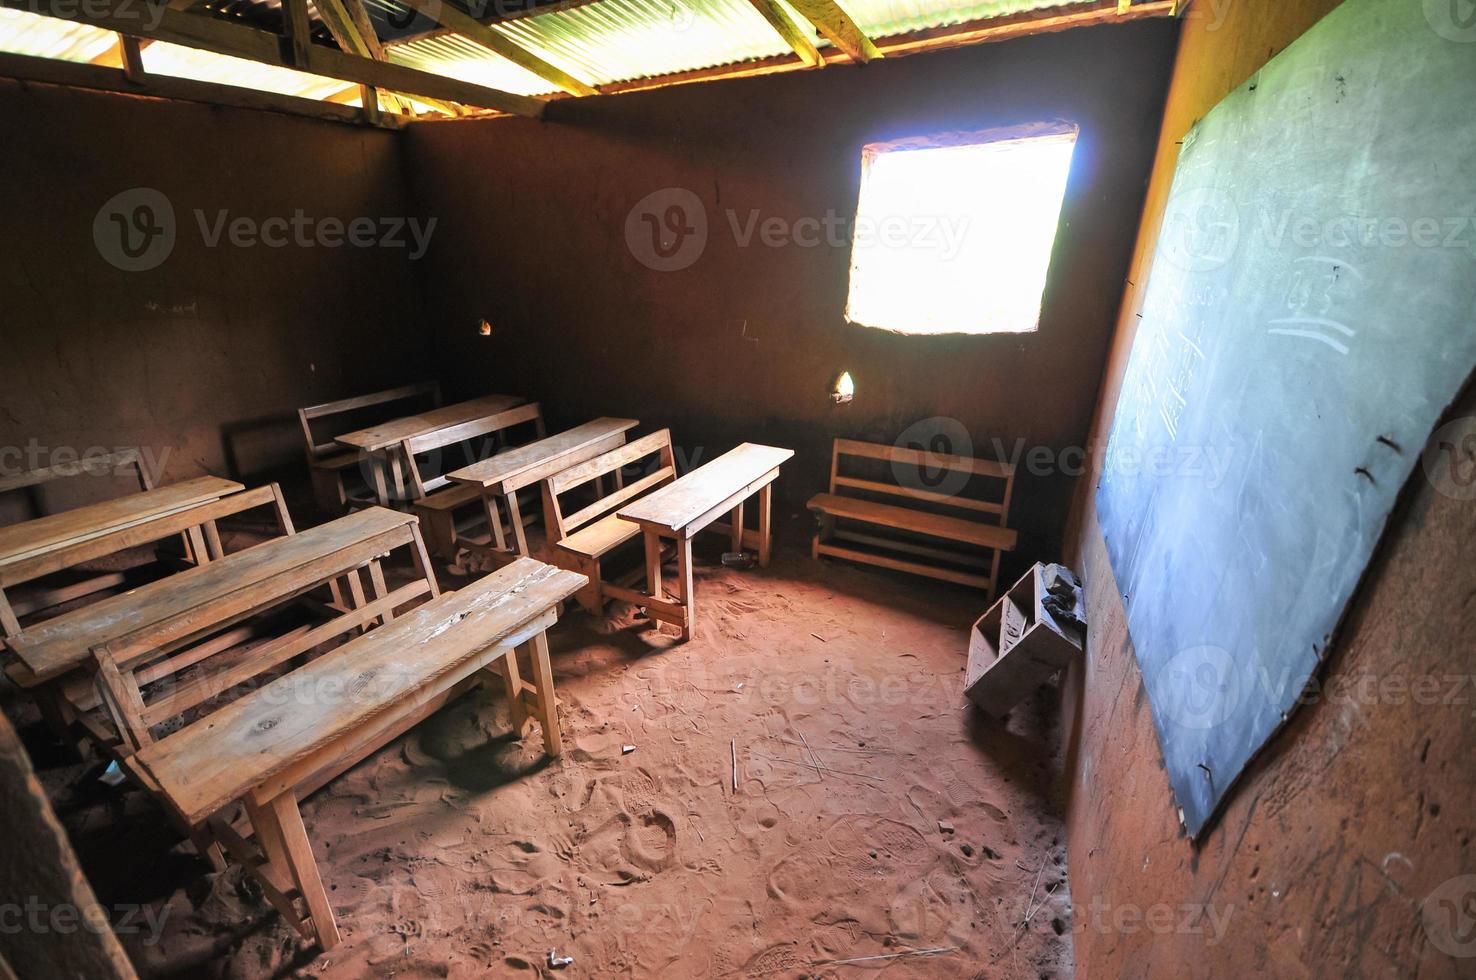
[(281, 741), (685, 507), (851, 511), (437, 499), (498, 479), (379, 445), (51, 654), (92, 465), (579, 540), (328, 462), (32, 549)]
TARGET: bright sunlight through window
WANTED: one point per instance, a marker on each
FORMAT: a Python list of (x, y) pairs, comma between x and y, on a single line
[(956, 237)]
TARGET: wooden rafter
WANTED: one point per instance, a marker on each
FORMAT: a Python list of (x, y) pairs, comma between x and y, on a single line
[(838, 27), (799, 39), (474, 30), (349, 23), (51, 71), (217, 36)]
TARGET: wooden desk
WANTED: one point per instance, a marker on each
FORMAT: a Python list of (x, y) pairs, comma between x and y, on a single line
[(502, 476), (377, 443), (35, 548), (298, 731), (680, 510), (61, 645)]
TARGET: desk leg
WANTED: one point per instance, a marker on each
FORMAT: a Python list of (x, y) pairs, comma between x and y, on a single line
[(515, 517), (548, 704), (512, 680), (653, 566), (494, 521), (684, 575), (397, 477), (766, 524), (8, 622), (279, 829), (377, 477), (737, 518)]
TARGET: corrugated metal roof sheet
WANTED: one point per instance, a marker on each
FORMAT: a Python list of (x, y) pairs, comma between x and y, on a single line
[(50, 37), (160, 58), (454, 55), (618, 40), (885, 18)]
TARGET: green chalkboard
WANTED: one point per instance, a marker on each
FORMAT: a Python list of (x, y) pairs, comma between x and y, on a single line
[(1310, 316)]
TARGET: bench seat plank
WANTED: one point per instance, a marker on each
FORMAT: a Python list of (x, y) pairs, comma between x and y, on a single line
[(906, 519), (28, 538), (678, 504), (61, 644), (599, 537), (525, 465), (243, 745), (342, 461)]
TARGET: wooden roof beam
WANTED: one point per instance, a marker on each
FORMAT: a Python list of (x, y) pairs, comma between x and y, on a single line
[(208, 33), (838, 28), (799, 39), (474, 30)]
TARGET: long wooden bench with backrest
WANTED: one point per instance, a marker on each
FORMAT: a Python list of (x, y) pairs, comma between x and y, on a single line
[(36, 548), (925, 495), (328, 464), (56, 682), (437, 499), (282, 740), (581, 538)]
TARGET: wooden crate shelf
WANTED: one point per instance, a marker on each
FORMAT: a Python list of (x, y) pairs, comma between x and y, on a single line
[(1019, 644)]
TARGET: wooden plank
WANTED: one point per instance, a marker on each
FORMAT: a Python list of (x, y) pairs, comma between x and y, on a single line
[(51, 71), (798, 38), (610, 502), (524, 465), (70, 527), (473, 30), (299, 30), (450, 435), (896, 490), (59, 645), (897, 564), (600, 537), (219, 36), (680, 503), (612, 461), (838, 27), (203, 767), (154, 529), (387, 434), (918, 457), (906, 519), (345, 405)]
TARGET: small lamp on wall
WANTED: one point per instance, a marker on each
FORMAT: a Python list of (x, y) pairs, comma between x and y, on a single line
[(484, 328), (844, 388)]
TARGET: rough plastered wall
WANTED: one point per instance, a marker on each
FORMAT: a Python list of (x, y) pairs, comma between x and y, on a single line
[(1342, 850), (205, 356), (744, 341)]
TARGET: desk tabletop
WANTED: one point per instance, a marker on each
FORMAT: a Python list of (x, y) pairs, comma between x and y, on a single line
[(679, 503), (261, 735), (523, 465), (31, 538), (59, 645), (392, 433)]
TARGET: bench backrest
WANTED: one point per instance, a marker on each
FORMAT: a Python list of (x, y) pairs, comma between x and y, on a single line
[(93, 465), (478, 438), (346, 582), (923, 475), (657, 445), (324, 414)]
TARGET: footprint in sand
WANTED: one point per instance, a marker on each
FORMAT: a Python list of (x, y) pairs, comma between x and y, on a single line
[(651, 841), (783, 958)]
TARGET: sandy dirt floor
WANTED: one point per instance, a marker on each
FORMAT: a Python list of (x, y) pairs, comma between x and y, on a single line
[(875, 814)]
